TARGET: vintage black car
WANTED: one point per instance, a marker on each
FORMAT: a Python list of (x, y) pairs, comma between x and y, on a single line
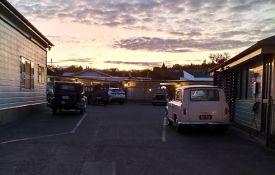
[(67, 95)]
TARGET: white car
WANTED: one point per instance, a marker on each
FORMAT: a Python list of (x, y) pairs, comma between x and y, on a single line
[(198, 105), (116, 95)]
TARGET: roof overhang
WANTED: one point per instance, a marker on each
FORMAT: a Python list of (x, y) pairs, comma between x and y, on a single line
[(20, 23), (263, 47), (241, 60)]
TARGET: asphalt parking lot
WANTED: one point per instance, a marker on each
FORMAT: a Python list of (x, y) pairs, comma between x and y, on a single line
[(124, 139)]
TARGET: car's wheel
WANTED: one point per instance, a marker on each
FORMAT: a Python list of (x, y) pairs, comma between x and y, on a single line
[(169, 122), (54, 110), (105, 102), (81, 111), (89, 101)]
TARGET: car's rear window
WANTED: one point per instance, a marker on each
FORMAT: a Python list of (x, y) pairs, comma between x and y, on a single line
[(68, 88), (117, 90), (160, 97), (204, 95)]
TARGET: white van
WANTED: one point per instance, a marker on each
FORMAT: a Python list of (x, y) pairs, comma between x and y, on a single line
[(198, 105)]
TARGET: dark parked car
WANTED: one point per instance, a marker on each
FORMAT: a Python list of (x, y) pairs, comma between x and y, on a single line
[(97, 94), (68, 95), (160, 99)]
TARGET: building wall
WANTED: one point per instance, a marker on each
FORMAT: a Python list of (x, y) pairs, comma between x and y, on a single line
[(273, 96), (246, 97), (13, 46), (145, 90), (246, 116)]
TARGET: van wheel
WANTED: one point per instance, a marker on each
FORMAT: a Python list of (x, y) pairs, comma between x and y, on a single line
[(179, 128), (169, 122)]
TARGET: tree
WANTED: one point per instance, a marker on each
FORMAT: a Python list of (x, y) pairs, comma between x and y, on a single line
[(177, 67), (204, 62), (163, 66), (219, 58)]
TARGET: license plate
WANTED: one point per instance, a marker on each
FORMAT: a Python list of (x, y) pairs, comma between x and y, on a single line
[(205, 117), (65, 97)]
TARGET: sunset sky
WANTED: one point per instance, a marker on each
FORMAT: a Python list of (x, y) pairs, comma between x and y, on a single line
[(138, 34)]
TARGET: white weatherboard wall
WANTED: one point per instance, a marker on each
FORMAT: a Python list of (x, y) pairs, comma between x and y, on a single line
[(13, 45)]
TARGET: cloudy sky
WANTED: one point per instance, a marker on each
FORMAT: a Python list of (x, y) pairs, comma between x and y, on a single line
[(141, 34)]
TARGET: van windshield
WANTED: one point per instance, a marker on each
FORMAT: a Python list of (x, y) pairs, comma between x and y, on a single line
[(204, 95)]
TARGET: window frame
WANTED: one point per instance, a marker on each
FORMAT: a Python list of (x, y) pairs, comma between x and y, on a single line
[(178, 96), (41, 74), (26, 73)]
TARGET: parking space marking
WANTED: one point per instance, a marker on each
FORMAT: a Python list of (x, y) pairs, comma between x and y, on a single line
[(32, 138), (163, 135), (49, 135), (79, 123)]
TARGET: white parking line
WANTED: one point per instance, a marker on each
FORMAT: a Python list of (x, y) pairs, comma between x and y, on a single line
[(79, 123), (114, 168), (32, 138), (49, 135), (163, 135)]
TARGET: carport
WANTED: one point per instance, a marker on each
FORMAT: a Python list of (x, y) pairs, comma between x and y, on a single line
[(248, 81)]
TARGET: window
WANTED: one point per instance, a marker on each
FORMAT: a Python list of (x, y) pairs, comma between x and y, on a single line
[(27, 73), (204, 95), (178, 95), (255, 75), (244, 74), (41, 74), (246, 79)]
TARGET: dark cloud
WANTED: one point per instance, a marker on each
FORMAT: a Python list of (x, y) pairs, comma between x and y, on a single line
[(144, 64), (78, 60), (200, 24), (178, 45), (247, 5), (187, 34), (69, 39)]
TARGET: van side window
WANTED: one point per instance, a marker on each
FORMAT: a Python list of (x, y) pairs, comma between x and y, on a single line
[(204, 95), (178, 95)]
